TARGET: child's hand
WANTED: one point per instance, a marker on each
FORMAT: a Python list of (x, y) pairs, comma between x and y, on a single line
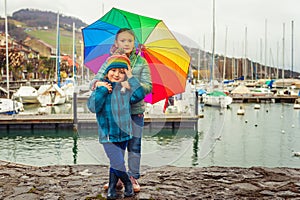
[(128, 72), (105, 84)]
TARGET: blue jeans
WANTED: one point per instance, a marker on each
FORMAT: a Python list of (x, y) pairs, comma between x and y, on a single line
[(115, 152), (134, 146)]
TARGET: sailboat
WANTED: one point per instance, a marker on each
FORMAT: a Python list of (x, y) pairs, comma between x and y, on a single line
[(7, 105), (26, 94), (49, 95), (69, 85), (52, 94), (10, 106), (215, 97)]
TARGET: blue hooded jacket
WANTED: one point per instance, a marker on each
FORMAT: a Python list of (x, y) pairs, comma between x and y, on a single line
[(140, 70), (113, 110)]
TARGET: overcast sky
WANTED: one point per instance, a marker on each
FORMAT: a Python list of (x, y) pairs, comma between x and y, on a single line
[(192, 21)]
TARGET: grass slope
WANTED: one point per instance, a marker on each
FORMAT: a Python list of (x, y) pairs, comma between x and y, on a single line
[(66, 39)]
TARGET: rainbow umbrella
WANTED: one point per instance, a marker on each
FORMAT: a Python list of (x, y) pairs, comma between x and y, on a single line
[(167, 59)]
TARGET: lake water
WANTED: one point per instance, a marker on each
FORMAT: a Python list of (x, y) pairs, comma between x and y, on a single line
[(262, 137)]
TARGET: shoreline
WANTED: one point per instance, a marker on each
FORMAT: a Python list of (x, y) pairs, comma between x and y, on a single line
[(18, 181)]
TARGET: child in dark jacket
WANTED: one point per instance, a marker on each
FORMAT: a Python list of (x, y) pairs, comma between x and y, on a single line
[(113, 103), (125, 39)]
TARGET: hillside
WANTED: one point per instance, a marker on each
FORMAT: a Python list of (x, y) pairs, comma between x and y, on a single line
[(41, 25), (66, 38), (38, 18)]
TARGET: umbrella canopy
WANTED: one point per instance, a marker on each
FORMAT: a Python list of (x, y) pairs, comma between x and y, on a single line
[(167, 59)]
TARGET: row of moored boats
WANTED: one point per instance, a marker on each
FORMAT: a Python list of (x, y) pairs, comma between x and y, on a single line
[(45, 95)]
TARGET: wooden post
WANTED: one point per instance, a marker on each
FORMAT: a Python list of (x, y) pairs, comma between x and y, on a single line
[(196, 104)]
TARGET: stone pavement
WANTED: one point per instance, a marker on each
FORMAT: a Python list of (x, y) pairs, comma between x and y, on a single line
[(69, 182)]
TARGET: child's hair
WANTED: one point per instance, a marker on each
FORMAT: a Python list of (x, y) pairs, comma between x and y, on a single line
[(125, 30)]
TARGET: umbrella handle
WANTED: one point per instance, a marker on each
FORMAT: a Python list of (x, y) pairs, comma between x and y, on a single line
[(134, 62), (138, 53), (141, 47), (113, 49)]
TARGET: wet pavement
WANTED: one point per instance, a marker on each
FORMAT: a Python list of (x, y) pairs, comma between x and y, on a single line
[(70, 182)]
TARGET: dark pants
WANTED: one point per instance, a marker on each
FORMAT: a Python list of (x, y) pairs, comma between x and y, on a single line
[(134, 146), (115, 152)]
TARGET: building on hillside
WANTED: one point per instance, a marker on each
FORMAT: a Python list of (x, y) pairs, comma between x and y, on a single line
[(20, 57), (44, 49)]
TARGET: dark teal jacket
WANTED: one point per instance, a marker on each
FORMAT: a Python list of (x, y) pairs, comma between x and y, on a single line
[(141, 71), (113, 111)]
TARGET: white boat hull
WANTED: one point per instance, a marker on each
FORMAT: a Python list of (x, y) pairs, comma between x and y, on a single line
[(218, 101), (49, 100), (49, 95), (8, 106), (297, 104), (27, 94)]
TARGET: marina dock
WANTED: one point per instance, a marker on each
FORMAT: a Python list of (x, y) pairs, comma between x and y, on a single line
[(82, 121), (88, 121), (264, 99)]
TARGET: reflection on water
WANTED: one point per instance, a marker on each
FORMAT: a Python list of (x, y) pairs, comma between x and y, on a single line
[(264, 137), (195, 150), (75, 147), (46, 147), (56, 109), (65, 108)]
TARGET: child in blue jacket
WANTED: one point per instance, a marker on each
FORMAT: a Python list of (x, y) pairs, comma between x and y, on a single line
[(112, 104)]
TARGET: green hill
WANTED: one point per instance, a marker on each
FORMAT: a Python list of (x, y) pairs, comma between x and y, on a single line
[(42, 25), (66, 39)]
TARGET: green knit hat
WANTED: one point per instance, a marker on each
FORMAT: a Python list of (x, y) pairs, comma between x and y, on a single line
[(117, 61)]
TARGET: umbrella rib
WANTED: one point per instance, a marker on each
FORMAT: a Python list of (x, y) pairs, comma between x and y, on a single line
[(103, 30), (129, 25), (160, 47)]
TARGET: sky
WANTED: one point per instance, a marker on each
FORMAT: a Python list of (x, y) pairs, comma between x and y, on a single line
[(260, 30)]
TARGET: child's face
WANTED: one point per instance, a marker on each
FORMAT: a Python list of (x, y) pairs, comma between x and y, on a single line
[(125, 41), (116, 74)]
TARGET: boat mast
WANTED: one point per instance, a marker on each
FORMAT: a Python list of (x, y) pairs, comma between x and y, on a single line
[(272, 63), (205, 63), (198, 72), (224, 63), (261, 60), (237, 64), (57, 68), (233, 70), (6, 50), (265, 48), (245, 66), (82, 62), (283, 49), (213, 46), (73, 53), (277, 63), (292, 51)]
